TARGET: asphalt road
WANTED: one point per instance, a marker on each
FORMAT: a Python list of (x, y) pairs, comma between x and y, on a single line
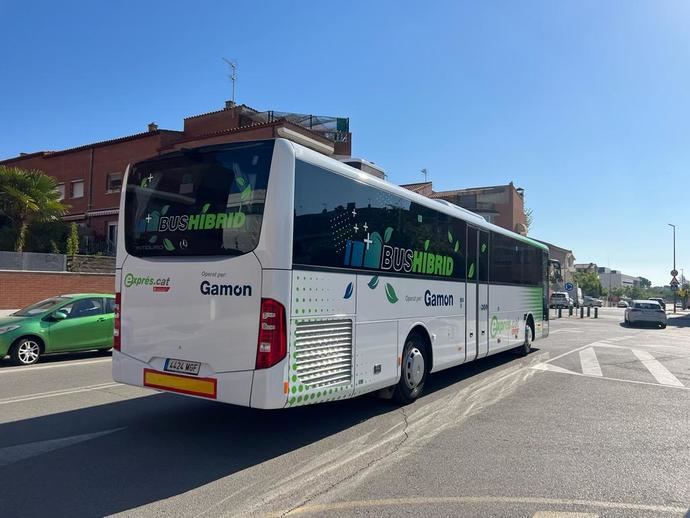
[(595, 421)]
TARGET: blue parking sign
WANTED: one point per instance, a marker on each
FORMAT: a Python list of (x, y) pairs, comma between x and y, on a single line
[(569, 286)]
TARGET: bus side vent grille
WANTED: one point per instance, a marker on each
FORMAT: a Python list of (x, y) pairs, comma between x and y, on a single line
[(324, 352)]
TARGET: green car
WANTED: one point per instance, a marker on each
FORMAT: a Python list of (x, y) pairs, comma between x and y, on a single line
[(57, 325)]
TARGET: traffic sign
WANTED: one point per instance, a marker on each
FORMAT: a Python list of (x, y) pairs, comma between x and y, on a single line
[(569, 286), (674, 272), (674, 283)]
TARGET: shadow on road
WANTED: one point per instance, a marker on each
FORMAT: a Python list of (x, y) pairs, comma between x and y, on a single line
[(62, 357), (682, 321), (164, 445)]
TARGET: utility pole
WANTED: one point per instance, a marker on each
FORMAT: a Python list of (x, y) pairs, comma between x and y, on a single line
[(675, 293), (425, 173)]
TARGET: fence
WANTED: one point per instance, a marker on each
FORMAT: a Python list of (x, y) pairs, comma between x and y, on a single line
[(30, 261), (35, 262)]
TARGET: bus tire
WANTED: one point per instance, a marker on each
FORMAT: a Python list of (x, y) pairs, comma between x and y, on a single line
[(526, 346), (414, 369)]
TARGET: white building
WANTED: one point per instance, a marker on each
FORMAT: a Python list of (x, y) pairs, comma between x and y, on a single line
[(616, 279)]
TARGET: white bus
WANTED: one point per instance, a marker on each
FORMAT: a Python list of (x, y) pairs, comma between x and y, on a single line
[(267, 275)]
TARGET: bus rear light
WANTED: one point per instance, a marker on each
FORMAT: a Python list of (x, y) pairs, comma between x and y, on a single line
[(272, 343), (116, 320)]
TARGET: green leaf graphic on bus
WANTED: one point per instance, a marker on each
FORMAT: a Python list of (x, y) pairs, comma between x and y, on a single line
[(450, 237), (457, 246), (241, 181), (387, 234), (246, 193), (390, 294), (164, 210), (153, 239), (373, 282), (470, 273), (205, 207), (483, 247), (426, 245), (168, 245), (348, 291)]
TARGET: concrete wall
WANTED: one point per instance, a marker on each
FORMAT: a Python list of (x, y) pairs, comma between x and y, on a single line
[(19, 289)]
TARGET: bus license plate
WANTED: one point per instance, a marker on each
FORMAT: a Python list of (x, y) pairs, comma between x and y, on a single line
[(182, 366)]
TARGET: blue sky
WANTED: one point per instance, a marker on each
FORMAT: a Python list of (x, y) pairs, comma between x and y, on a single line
[(585, 104)]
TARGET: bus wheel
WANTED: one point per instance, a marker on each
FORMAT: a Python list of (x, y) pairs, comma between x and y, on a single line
[(526, 346), (413, 370)]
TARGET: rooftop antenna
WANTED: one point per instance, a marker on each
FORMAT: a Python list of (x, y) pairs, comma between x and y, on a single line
[(233, 76), (425, 173)]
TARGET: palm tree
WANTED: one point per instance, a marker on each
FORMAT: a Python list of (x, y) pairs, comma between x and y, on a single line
[(27, 197)]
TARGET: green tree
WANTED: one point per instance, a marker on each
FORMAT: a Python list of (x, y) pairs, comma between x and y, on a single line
[(72, 245), (27, 197), (529, 218), (588, 281), (645, 283), (636, 292)]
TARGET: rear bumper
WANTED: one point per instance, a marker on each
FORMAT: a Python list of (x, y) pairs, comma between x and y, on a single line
[(231, 387), (661, 319)]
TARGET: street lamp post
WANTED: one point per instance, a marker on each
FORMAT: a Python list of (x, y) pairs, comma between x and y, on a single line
[(674, 264)]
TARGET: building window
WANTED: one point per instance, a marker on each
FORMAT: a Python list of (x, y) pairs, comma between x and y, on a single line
[(114, 182), (112, 235), (61, 190), (77, 189)]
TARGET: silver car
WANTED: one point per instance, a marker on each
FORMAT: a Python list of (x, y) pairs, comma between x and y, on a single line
[(645, 311), (593, 302)]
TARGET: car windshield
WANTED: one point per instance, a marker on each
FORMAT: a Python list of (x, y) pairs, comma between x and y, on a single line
[(647, 305), (41, 307)]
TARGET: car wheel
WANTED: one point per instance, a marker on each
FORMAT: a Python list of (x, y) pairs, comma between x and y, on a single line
[(663, 326), (413, 370), (25, 351)]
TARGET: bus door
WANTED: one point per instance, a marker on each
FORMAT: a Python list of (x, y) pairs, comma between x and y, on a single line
[(483, 290), (477, 303)]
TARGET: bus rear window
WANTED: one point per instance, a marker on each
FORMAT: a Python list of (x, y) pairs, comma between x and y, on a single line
[(199, 202)]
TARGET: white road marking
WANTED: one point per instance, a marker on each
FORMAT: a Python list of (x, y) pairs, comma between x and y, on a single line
[(619, 338), (459, 500), (573, 351), (553, 368), (56, 393), (562, 514), (660, 373), (590, 364), (75, 363), (12, 454)]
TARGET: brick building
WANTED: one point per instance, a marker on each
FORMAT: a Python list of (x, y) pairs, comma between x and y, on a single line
[(502, 205), (90, 176)]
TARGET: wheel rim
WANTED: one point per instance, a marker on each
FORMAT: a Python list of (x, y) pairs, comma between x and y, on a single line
[(528, 337), (28, 351), (413, 368)]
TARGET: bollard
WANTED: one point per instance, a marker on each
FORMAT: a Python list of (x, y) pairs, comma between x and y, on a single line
[(570, 311), (596, 312), (582, 312), (588, 311), (560, 312)]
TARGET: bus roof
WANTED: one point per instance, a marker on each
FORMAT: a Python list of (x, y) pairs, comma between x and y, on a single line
[(335, 166)]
